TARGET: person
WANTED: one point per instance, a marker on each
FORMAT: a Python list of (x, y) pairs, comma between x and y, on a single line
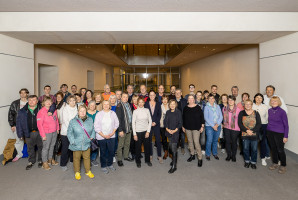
[(91, 113), (193, 126), (270, 90), (113, 101), (130, 91), (191, 91), (73, 89), (98, 102), (12, 120), (213, 119), (143, 92), (133, 106), (199, 100), (277, 133), (79, 142), (161, 90), (205, 96), (47, 93), (105, 126), (230, 127), (249, 122), (235, 93), (262, 109), (155, 111), (164, 139), (88, 97), (107, 92), (27, 128), (245, 96), (64, 90), (124, 114), (141, 126), (68, 113), (59, 104), (173, 91), (82, 92), (202, 104), (172, 123), (223, 103), (118, 94), (48, 127), (214, 93), (181, 103)]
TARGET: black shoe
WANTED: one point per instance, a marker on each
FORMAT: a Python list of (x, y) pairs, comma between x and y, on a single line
[(246, 165), (228, 158), (208, 158), (120, 163), (216, 157), (139, 165), (172, 170), (128, 159), (253, 166), (29, 166), (200, 163), (39, 164), (149, 164), (233, 158), (191, 158)]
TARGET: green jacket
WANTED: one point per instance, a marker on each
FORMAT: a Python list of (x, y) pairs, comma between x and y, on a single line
[(78, 140)]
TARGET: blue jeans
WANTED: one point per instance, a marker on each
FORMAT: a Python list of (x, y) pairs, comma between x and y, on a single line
[(250, 151), (212, 139), (265, 151), (93, 155), (107, 151)]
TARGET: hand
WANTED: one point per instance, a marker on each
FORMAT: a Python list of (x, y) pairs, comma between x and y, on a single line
[(214, 128), (50, 114), (121, 134), (44, 138), (285, 140), (135, 137), (147, 134), (183, 129), (153, 124), (111, 134), (202, 129), (107, 137), (13, 129)]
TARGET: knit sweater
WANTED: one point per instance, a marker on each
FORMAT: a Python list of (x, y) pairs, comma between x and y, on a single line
[(141, 120), (67, 114), (278, 121), (45, 123)]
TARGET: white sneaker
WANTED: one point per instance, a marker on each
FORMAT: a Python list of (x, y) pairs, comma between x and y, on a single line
[(264, 163), (223, 151), (114, 160), (278, 162), (268, 158), (203, 153)]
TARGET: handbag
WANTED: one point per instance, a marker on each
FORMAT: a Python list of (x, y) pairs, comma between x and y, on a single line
[(58, 145), (93, 142)]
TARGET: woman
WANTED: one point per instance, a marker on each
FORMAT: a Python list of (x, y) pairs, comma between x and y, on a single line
[(277, 133), (79, 142), (202, 104), (141, 126), (193, 126), (262, 109), (155, 111), (245, 96), (134, 106), (249, 122), (230, 127), (88, 97), (113, 101), (59, 104), (164, 109), (105, 126), (78, 99), (199, 100), (69, 112), (92, 113), (134, 102), (213, 119), (172, 123), (205, 96), (98, 102), (48, 127), (224, 102)]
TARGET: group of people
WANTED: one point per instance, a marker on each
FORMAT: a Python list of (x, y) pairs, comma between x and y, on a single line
[(122, 125)]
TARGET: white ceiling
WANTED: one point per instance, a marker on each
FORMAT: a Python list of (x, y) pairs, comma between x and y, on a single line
[(149, 5)]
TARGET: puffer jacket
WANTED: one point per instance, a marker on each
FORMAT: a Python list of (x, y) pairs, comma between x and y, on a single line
[(78, 140), (13, 112), (45, 123)]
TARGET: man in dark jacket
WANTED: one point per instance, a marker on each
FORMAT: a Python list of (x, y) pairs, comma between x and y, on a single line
[(130, 91), (214, 93), (27, 128), (181, 104), (124, 115), (12, 120)]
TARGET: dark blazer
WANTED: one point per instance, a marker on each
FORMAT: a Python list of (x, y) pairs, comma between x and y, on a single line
[(183, 103), (157, 112)]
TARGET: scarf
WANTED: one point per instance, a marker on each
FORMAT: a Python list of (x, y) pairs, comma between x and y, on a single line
[(215, 115), (127, 116), (226, 112)]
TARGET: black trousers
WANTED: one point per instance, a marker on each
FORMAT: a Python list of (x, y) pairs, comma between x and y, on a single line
[(277, 147), (132, 147), (147, 143), (231, 137), (66, 154), (164, 140), (32, 141)]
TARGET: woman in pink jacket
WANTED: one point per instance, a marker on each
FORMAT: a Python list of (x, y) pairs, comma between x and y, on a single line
[(48, 127)]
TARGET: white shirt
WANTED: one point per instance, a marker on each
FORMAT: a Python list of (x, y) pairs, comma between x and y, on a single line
[(141, 120), (67, 114), (163, 115), (262, 109), (22, 103), (106, 123), (283, 104)]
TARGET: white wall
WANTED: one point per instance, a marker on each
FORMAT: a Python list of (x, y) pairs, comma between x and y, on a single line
[(17, 71), (279, 67), (237, 66)]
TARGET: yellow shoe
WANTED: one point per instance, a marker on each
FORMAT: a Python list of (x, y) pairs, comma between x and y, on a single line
[(78, 176), (90, 174)]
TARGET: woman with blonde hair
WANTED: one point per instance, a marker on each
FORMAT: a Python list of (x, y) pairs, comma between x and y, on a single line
[(98, 100), (91, 112)]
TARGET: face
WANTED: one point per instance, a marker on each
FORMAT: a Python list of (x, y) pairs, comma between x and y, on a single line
[(107, 89), (64, 89), (59, 98), (173, 105), (135, 100), (206, 95), (113, 100), (78, 99), (231, 102), (235, 92), (224, 99), (199, 95), (72, 102), (269, 92), (124, 98), (98, 98), (118, 95), (191, 100), (73, 89), (47, 90), (173, 89), (48, 103), (32, 102), (141, 103), (23, 94), (161, 89), (82, 112), (92, 106), (214, 90), (152, 96), (106, 106), (83, 91), (165, 101), (143, 89), (178, 94), (248, 105), (244, 98), (130, 89), (258, 99), (211, 100), (192, 88), (88, 95), (274, 103)]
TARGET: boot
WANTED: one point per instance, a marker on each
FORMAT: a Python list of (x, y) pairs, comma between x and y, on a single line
[(174, 166), (166, 155), (200, 163), (46, 166), (228, 158)]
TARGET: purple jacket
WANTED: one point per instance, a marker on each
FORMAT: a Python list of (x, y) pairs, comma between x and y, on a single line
[(98, 120), (278, 121)]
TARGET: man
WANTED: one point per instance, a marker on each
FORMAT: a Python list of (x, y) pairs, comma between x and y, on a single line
[(181, 104), (27, 128), (191, 91), (47, 91), (12, 120), (118, 94), (64, 90), (144, 93), (214, 93), (107, 92), (124, 115), (161, 90), (74, 89), (270, 89), (235, 93), (173, 90), (130, 91)]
